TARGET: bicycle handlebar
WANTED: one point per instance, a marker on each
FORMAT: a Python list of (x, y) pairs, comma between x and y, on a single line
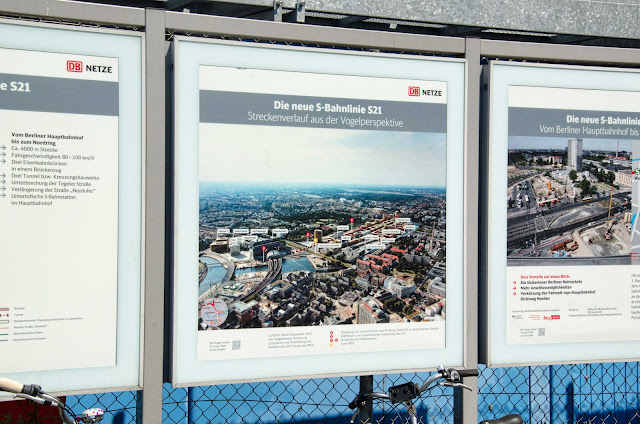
[(469, 373), (34, 393), (406, 392), (451, 375), (411, 391), (7, 385)]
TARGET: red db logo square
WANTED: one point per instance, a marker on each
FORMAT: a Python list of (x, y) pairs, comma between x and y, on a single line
[(74, 66), (414, 91)]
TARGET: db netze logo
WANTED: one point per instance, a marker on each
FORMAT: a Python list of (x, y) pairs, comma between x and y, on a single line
[(74, 66), (414, 91)]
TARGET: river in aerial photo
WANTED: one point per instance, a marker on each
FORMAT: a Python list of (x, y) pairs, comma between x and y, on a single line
[(216, 271)]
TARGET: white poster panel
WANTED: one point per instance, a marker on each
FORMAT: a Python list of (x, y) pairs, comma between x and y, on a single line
[(65, 260), (321, 234), (570, 242), (59, 175)]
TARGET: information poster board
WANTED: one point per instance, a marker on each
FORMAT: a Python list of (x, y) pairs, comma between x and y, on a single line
[(64, 196), (563, 282), (315, 231)]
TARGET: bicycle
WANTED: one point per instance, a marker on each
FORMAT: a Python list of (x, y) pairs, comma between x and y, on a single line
[(35, 394), (407, 392)]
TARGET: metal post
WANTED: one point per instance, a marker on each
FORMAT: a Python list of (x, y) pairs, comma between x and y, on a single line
[(466, 402), (299, 12), (277, 10), (149, 400), (366, 412)]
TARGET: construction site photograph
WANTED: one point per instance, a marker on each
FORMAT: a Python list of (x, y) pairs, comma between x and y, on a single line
[(569, 201)]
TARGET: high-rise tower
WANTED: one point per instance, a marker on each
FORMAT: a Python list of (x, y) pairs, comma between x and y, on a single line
[(574, 153)]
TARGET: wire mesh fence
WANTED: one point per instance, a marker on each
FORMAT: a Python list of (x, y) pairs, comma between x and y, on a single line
[(581, 394), (578, 394), (172, 33), (119, 407), (69, 23), (310, 401)]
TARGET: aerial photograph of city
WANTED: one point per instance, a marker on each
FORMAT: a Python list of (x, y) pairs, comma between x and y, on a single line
[(308, 227), (569, 201)]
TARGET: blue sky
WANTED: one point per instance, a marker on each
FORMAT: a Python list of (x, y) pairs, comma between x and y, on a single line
[(517, 142), (311, 155)]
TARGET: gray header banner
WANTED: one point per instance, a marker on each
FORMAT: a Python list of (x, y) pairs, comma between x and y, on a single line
[(58, 95), (532, 122), (226, 107)]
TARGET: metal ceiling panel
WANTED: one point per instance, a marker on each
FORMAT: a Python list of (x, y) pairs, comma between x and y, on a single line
[(603, 18)]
